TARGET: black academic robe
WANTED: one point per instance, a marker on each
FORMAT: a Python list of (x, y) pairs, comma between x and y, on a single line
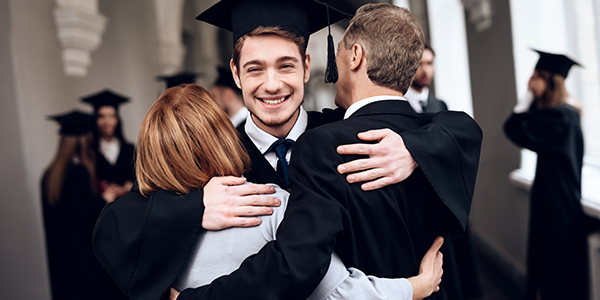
[(384, 232), (144, 243), (74, 270), (121, 171), (460, 269), (557, 255)]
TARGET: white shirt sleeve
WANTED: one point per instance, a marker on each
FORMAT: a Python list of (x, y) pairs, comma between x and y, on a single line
[(341, 283)]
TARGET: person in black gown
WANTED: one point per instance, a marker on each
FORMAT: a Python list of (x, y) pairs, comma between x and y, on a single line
[(548, 123), (71, 205), (114, 161)]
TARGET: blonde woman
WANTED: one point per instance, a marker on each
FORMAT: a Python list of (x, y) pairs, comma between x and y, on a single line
[(185, 139)]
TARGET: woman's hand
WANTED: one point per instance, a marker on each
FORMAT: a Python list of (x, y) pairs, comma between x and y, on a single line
[(389, 161), (430, 272), (229, 204)]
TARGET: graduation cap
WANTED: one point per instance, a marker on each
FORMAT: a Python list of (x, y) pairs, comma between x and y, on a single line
[(225, 78), (555, 63), (104, 98), (74, 122), (300, 17), (179, 78)]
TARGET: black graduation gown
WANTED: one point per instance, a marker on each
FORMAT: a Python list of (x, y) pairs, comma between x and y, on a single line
[(121, 171), (557, 254), (460, 277), (136, 239), (74, 270)]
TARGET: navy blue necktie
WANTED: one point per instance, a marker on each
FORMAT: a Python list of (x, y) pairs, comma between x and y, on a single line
[(423, 105), (280, 147)]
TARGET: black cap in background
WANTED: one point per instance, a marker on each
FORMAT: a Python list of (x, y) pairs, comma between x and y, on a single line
[(179, 78), (105, 98), (554, 63), (225, 78), (74, 122)]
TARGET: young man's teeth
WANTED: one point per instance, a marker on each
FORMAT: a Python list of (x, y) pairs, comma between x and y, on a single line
[(273, 102)]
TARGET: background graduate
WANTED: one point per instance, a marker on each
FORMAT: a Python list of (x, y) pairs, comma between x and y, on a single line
[(114, 156), (71, 203), (548, 123)]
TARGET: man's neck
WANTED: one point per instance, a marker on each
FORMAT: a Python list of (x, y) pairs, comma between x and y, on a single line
[(372, 91)]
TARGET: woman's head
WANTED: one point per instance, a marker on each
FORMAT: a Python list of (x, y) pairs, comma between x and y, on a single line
[(107, 122), (186, 139), (548, 88)]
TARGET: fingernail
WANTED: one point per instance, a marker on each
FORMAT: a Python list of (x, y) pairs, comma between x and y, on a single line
[(278, 202), (340, 150), (351, 178), (341, 169)]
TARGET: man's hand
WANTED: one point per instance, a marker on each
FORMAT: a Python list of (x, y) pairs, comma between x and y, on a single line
[(389, 161), (174, 294), (229, 204), (430, 272)]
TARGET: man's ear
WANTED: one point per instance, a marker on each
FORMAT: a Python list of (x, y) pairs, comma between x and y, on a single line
[(357, 57), (235, 73), (307, 68)]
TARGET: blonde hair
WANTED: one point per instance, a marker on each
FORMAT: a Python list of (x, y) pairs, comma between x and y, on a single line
[(393, 43), (68, 147), (186, 139)]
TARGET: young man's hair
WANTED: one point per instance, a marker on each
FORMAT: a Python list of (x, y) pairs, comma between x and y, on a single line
[(298, 40), (556, 91), (186, 139), (392, 41)]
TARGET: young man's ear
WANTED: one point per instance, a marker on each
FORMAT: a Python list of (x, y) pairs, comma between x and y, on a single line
[(307, 68), (235, 73)]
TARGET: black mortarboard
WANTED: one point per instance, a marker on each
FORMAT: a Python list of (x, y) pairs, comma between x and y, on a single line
[(74, 122), (554, 63), (179, 78), (104, 98), (225, 78), (300, 17)]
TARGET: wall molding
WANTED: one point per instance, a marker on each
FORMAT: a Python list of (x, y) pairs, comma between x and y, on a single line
[(79, 30)]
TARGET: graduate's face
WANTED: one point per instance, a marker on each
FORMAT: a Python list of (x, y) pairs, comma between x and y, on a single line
[(425, 71), (107, 121), (536, 84), (272, 75)]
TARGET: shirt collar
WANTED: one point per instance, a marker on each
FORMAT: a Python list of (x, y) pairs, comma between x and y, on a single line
[(239, 116), (415, 98), (263, 140), (359, 104)]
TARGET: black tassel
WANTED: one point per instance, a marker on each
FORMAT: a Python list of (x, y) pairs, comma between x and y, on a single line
[(331, 73)]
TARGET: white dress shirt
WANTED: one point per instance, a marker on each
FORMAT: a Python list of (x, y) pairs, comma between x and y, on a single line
[(415, 98), (110, 150), (239, 116), (263, 140), (360, 103)]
